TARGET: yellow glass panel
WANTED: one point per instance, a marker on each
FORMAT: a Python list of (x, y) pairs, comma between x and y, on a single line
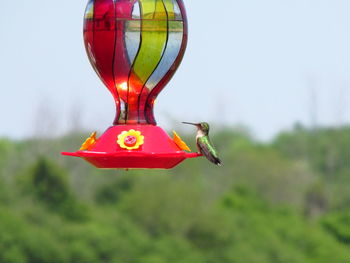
[(169, 5), (154, 33)]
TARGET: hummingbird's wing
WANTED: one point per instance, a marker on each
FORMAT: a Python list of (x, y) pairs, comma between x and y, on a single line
[(208, 150)]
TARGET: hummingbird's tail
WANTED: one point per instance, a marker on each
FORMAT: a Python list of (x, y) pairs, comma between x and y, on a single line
[(218, 162)]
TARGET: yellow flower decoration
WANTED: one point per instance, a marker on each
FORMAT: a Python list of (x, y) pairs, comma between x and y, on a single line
[(130, 140), (180, 143), (89, 142)]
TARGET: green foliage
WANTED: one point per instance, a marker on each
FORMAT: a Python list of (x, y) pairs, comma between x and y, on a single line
[(327, 152), (48, 184), (278, 235), (281, 202), (338, 224), (112, 192), (316, 199)]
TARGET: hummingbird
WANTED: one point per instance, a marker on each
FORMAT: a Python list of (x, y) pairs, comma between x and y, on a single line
[(204, 144)]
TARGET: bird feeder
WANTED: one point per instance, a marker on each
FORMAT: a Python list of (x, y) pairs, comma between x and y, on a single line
[(135, 47)]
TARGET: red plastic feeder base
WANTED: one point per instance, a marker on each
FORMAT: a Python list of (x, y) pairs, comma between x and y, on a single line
[(156, 151)]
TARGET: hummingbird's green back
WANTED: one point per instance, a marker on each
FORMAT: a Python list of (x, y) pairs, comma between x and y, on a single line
[(206, 148)]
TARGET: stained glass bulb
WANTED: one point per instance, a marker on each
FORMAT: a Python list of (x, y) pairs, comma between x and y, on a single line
[(135, 47)]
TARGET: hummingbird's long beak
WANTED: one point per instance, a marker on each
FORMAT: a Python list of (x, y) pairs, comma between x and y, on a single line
[(190, 123)]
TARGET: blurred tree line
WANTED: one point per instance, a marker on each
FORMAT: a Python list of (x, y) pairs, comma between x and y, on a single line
[(282, 201)]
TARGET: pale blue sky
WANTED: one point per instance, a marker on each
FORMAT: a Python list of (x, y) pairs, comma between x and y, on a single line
[(270, 63)]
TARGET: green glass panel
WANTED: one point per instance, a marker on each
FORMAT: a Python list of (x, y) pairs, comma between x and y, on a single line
[(169, 5), (154, 36), (153, 9)]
